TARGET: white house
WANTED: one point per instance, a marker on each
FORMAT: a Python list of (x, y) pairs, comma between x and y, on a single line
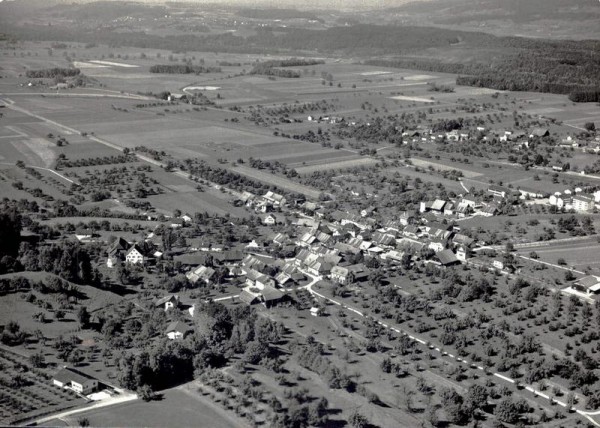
[(583, 203), (135, 255), (316, 312), (177, 330), (270, 220), (83, 234), (168, 302)]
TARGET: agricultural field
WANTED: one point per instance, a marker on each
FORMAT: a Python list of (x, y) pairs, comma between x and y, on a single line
[(27, 392)]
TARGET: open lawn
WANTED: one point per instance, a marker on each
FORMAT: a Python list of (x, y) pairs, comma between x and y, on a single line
[(182, 406)]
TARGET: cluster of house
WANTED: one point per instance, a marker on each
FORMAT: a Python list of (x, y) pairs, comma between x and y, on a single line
[(268, 204), (518, 137), (326, 119), (122, 251), (576, 200)]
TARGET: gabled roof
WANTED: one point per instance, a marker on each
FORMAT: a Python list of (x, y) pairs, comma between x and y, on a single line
[(178, 326), (540, 132), (269, 294), (162, 301), (446, 257), (201, 273), (247, 297), (229, 256), (438, 205), (119, 245), (461, 239), (135, 247), (588, 281)]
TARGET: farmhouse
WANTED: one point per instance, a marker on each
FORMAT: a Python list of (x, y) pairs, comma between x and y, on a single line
[(168, 302), (177, 330), (116, 252), (268, 296), (446, 258), (74, 379), (135, 255), (539, 132), (588, 284)]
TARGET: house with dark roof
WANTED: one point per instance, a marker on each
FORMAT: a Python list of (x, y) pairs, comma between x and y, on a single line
[(588, 284), (83, 234), (446, 258), (76, 380), (137, 255), (268, 296), (178, 330), (539, 132), (116, 252), (168, 302)]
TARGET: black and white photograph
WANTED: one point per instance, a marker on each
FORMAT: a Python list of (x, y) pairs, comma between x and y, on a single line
[(316, 214)]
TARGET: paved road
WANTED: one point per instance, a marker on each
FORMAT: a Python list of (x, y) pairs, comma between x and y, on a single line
[(104, 403)]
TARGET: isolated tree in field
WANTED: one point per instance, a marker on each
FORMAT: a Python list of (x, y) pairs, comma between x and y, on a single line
[(37, 360), (590, 126), (83, 316)]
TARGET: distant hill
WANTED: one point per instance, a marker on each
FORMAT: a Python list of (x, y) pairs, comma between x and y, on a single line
[(453, 11)]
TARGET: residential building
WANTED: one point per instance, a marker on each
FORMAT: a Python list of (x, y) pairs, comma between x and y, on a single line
[(135, 255), (583, 203), (498, 191), (178, 330), (168, 302), (201, 273), (588, 284), (76, 380)]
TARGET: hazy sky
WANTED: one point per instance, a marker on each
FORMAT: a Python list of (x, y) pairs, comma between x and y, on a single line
[(295, 4)]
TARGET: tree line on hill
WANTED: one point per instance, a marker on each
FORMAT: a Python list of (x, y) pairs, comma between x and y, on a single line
[(51, 73), (273, 67), (183, 69)]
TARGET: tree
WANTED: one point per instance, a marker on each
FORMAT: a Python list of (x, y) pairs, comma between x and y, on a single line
[(145, 392), (590, 126), (10, 232), (507, 411), (37, 360), (83, 316), (357, 420)]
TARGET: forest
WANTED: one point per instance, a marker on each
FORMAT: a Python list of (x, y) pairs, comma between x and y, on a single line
[(182, 69), (50, 73)]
